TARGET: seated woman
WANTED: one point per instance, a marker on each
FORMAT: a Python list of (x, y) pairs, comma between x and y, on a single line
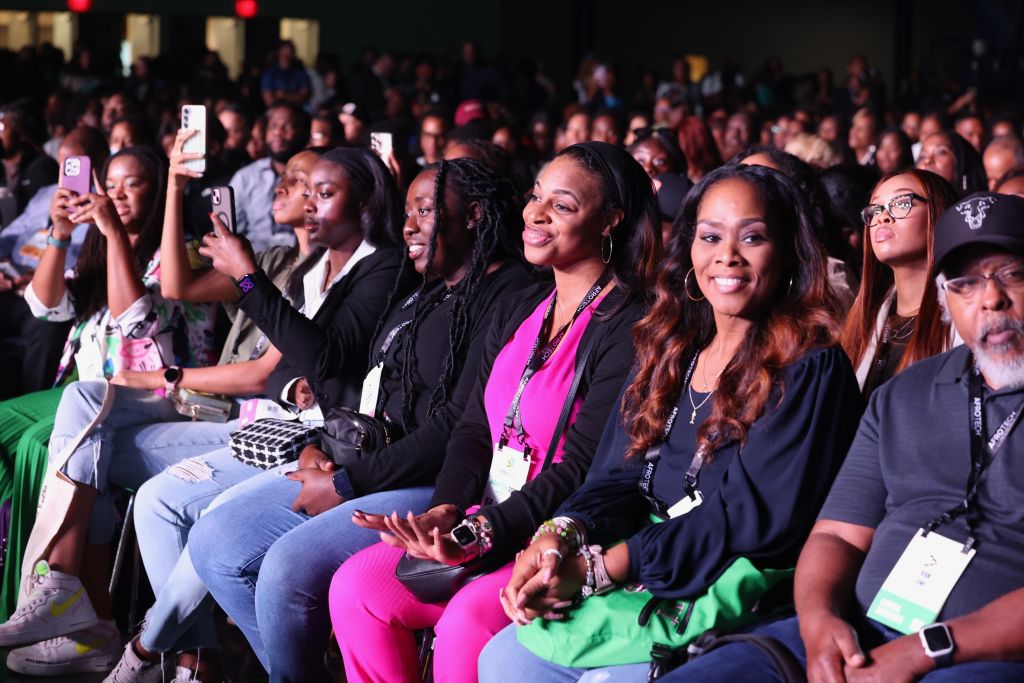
[(947, 154), (121, 321), (459, 232), (353, 215), (593, 221), (733, 425), (895, 152), (136, 440), (895, 320)]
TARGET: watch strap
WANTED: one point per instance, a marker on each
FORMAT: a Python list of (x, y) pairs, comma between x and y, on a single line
[(602, 581), (172, 377), (54, 242)]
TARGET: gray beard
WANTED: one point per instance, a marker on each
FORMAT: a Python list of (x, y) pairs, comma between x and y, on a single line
[(1008, 374)]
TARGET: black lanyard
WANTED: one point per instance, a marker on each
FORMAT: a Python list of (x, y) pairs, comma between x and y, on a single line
[(392, 336), (653, 455), (968, 508), (513, 420)]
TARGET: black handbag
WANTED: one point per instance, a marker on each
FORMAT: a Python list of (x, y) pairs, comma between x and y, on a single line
[(432, 581), (348, 435)]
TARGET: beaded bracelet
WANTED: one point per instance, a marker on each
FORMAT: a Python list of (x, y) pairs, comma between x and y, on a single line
[(486, 537), (589, 584), (566, 528)]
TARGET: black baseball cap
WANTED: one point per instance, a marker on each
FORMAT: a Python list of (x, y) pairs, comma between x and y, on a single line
[(981, 218)]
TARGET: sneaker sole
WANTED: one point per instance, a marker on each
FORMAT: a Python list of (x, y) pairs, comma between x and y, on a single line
[(39, 635), (82, 666)]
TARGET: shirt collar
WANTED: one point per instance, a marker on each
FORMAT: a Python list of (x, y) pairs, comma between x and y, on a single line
[(955, 367)]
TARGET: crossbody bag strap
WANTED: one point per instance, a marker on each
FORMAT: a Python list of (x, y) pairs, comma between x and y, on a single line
[(570, 398), (784, 661)]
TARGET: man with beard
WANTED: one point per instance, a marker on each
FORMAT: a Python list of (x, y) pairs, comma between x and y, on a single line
[(915, 568), (287, 132)]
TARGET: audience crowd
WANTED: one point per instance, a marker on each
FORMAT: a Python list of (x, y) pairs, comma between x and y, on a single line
[(468, 375)]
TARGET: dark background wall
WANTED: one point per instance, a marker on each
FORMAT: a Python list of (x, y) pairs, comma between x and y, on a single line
[(804, 34)]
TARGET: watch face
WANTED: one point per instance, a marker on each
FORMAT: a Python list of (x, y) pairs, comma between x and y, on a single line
[(936, 638), (171, 375), (463, 535)]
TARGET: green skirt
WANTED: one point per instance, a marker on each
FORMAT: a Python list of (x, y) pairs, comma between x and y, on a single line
[(25, 426)]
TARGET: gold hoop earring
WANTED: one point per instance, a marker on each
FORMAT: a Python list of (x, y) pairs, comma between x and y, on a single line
[(686, 287), (611, 249)]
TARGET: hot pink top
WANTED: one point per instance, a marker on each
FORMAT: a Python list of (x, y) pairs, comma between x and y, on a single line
[(545, 394)]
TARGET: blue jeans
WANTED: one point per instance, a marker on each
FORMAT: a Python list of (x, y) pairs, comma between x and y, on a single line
[(166, 507), (733, 663), (270, 568), (141, 436)]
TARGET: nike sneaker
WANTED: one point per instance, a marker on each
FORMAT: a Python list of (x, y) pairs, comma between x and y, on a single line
[(56, 606), (94, 649)]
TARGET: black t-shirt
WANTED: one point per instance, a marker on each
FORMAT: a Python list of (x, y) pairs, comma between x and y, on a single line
[(910, 462)]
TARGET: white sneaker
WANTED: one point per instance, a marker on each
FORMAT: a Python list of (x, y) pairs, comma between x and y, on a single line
[(133, 669), (94, 649), (56, 605)]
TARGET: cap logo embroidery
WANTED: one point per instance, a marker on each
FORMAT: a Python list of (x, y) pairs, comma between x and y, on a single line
[(974, 211)]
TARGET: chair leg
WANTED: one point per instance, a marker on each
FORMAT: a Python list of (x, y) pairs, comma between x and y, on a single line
[(122, 543), (427, 656)]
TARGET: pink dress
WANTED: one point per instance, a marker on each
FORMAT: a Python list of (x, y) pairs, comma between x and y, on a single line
[(374, 616)]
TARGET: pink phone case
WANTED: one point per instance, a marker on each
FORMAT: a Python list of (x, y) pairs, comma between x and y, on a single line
[(76, 174)]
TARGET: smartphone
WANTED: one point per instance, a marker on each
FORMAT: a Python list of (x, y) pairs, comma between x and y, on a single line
[(76, 174), (193, 117), (9, 271), (382, 145), (222, 203)]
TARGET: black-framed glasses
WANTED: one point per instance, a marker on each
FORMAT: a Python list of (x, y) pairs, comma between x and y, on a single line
[(898, 207), (968, 286)]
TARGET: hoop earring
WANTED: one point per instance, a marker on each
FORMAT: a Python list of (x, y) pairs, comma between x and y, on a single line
[(686, 287), (611, 249)]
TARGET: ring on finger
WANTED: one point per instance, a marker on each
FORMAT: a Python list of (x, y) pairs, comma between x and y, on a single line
[(553, 551)]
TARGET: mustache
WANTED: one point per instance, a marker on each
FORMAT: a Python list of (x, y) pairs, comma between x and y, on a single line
[(1001, 324)]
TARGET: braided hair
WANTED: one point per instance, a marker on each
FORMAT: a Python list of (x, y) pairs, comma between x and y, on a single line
[(470, 181)]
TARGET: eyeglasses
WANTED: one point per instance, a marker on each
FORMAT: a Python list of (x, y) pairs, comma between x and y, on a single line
[(968, 286), (898, 207)]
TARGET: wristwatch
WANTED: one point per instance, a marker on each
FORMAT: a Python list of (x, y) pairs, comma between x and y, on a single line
[(245, 284), (343, 485), (938, 643), (172, 376), (466, 533), (54, 242)]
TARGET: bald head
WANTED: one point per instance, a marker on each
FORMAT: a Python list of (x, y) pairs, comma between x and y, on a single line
[(1002, 155)]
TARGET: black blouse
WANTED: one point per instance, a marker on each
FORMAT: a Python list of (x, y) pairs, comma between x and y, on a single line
[(760, 500)]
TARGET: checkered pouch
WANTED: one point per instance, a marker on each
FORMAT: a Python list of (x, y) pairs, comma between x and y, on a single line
[(270, 442)]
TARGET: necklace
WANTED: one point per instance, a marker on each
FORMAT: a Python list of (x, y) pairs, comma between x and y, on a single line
[(900, 333), (689, 392)]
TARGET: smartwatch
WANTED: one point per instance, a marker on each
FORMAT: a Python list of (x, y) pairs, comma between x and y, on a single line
[(245, 284), (172, 376), (466, 534), (343, 485), (937, 641)]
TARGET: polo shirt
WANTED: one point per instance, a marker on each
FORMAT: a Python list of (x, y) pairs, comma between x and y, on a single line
[(910, 462)]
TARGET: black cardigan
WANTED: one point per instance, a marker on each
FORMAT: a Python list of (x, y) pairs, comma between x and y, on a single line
[(468, 459), (415, 459), (330, 350)]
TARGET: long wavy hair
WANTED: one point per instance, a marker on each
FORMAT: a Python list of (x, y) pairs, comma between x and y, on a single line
[(931, 334), (88, 288), (801, 315)]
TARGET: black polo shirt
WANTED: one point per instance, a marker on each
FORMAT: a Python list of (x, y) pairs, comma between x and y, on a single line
[(910, 462)]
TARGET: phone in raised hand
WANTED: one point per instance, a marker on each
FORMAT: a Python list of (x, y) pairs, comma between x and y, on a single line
[(382, 144), (193, 117), (76, 174), (222, 202)]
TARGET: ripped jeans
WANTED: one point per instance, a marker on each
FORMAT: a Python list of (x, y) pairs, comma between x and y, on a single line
[(166, 507), (140, 437)]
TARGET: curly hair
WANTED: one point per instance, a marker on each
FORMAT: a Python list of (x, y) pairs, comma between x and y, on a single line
[(800, 316)]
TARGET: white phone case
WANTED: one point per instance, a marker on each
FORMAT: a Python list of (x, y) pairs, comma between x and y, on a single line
[(193, 117)]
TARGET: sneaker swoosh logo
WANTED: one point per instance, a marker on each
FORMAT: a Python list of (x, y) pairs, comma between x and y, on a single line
[(84, 648), (59, 608)]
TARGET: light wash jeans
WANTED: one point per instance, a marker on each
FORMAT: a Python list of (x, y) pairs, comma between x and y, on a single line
[(270, 568), (140, 437), (166, 508)]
